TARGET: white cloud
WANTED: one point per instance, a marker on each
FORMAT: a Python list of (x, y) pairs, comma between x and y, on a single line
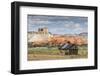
[(72, 25), (40, 22), (76, 27)]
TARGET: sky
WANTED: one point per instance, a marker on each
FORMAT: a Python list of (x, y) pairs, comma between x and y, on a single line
[(58, 24)]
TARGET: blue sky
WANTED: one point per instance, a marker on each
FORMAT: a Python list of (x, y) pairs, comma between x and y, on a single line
[(58, 24)]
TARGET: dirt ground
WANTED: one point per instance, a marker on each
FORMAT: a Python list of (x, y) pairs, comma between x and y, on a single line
[(53, 57)]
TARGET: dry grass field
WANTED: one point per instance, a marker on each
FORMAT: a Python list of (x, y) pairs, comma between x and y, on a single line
[(45, 53)]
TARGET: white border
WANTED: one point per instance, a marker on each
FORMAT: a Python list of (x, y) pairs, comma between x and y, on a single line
[(26, 65)]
